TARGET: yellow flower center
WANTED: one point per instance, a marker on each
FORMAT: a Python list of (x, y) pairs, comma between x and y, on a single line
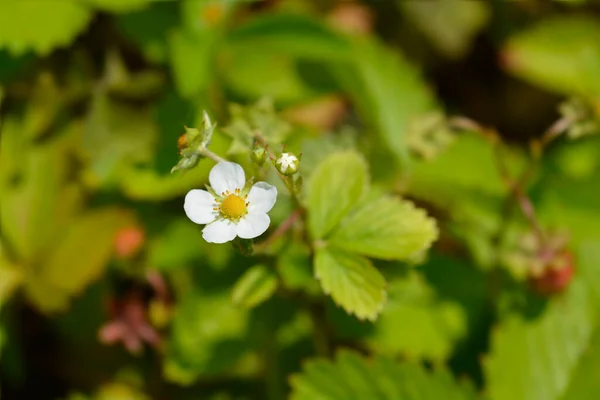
[(233, 206)]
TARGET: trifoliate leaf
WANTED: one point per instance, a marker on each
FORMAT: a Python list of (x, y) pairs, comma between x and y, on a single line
[(534, 357), (41, 25), (352, 376), (561, 53), (352, 281), (336, 185), (387, 228), (255, 286)]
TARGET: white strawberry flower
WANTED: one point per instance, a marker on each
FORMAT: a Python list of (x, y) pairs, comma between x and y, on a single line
[(230, 212)]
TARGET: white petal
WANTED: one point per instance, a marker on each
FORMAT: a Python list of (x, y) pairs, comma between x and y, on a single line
[(262, 197), (226, 176), (220, 231), (253, 225), (199, 206)]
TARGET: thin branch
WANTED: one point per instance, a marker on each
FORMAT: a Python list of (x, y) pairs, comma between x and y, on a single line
[(281, 230)]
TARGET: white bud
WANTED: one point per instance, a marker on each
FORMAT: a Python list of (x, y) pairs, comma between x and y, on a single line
[(287, 164)]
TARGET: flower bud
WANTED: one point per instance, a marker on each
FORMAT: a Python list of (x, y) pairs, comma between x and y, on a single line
[(259, 154), (287, 164)]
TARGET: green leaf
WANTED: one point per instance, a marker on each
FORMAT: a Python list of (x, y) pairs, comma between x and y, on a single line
[(40, 203), (176, 246), (257, 118), (119, 6), (387, 91), (469, 163), (255, 286), (191, 59), (205, 336), (253, 73), (336, 185), (352, 281), (387, 228), (560, 53), (11, 277), (294, 267), (290, 34), (534, 358), (352, 376), (116, 136), (49, 24), (148, 28), (450, 25), (78, 259), (584, 384), (416, 324)]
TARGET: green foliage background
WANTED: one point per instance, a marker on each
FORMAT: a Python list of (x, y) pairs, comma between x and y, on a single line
[(444, 244)]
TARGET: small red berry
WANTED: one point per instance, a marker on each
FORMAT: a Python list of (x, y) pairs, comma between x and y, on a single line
[(557, 276)]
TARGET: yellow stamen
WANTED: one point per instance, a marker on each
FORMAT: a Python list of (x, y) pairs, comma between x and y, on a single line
[(234, 207)]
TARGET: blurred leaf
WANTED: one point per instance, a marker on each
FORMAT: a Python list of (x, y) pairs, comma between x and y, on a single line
[(560, 53), (10, 278), (352, 281), (50, 24), (258, 119), (336, 185), (120, 6), (289, 34), (295, 268), (315, 150), (469, 162), (584, 383), (78, 259), (255, 286), (117, 135), (119, 391), (387, 91), (191, 59), (206, 336), (37, 200), (450, 25), (534, 358), (43, 106), (351, 376), (386, 228), (148, 28), (176, 246), (253, 73), (416, 324)]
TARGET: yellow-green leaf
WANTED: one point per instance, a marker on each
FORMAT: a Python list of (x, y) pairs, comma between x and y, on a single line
[(336, 185), (78, 259), (351, 281), (560, 53), (351, 376), (387, 228), (255, 286), (41, 25)]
